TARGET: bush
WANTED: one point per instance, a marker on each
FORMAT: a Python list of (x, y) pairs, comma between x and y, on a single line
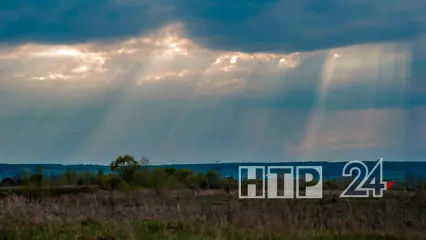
[(125, 166), (36, 179), (113, 182), (156, 178)]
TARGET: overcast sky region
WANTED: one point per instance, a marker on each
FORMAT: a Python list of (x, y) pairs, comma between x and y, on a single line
[(190, 81)]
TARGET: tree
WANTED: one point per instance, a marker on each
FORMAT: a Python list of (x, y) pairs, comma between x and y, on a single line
[(125, 166), (182, 174), (69, 175), (158, 179), (80, 181), (140, 176), (197, 181), (37, 178), (88, 177), (144, 161), (25, 178), (170, 171), (113, 182), (212, 179)]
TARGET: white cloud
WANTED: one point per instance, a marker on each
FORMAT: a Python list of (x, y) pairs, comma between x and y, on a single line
[(163, 55)]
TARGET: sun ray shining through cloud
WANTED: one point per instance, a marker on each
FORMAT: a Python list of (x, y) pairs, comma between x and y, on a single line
[(373, 67), (165, 47), (166, 95)]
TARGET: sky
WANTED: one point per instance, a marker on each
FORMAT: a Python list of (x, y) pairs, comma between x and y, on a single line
[(189, 81)]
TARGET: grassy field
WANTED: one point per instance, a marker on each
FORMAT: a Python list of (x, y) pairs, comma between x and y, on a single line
[(209, 214)]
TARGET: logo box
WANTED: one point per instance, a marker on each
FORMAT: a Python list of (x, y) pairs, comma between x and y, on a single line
[(281, 182)]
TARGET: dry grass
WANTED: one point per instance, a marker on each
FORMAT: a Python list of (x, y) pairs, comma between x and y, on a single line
[(212, 215)]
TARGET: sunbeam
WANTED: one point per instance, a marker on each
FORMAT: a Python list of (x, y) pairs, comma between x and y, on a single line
[(369, 69), (164, 94)]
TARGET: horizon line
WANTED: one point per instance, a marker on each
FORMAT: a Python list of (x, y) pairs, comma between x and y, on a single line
[(210, 163)]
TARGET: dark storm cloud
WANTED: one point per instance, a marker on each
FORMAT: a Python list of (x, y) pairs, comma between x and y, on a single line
[(273, 25), (70, 21), (305, 25)]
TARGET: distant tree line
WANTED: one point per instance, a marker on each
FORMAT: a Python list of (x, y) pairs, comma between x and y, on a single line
[(129, 173)]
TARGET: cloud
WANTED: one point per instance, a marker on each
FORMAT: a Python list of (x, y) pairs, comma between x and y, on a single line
[(196, 88), (246, 26), (166, 64), (162, 57), (303, 25), (69, 21)]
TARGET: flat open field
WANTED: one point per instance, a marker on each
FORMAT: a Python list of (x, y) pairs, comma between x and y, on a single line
[(189, 214)]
